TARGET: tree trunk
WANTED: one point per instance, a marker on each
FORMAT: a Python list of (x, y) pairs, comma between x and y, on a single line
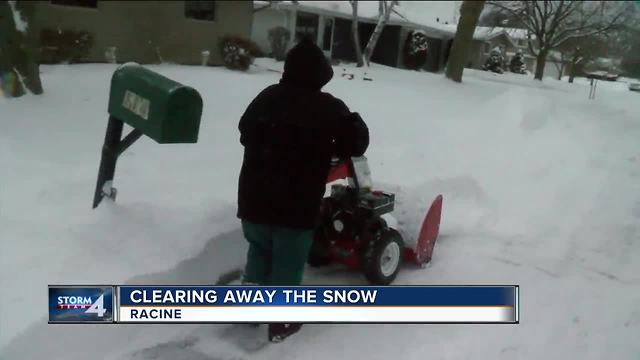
[(561, 70), (9, 80), (29, 67), (469, 15), (371, 44), (354, 32), (541, 60), (572, 73), (572, 68), (19, 64)]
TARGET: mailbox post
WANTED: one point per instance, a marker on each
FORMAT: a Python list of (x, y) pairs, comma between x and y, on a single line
[(155, 106)]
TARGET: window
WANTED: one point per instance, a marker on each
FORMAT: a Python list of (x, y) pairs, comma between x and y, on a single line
[(200, 10), (78, 3), (307, 25), (328, 32)]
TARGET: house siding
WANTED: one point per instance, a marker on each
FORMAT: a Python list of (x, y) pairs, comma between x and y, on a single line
[(434, 49), (388, 50), (148, 31), (343, 41), (480, 49)]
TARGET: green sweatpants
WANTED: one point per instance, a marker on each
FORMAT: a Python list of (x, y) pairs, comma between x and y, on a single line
[(276, 255)]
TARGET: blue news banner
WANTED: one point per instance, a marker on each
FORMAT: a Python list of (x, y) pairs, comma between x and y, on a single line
[(320, 304)]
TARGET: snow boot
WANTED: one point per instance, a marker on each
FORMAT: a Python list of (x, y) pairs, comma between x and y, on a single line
[(280, 331)]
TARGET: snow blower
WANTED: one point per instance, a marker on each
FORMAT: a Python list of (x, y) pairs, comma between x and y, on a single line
[(354, 232)]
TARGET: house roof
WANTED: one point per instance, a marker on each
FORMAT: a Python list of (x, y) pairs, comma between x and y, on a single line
[(488, 33), (404, 14)]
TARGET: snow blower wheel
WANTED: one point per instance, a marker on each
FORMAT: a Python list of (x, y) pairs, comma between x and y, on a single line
[(384, 258)]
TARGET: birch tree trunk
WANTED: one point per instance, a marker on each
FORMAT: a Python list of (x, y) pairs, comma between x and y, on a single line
[(18, 54), (29, 65), (383, 18)]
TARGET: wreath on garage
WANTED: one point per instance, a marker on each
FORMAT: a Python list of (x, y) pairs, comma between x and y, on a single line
[(415, 50)]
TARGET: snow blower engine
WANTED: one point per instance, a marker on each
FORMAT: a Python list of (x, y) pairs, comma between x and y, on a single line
[(354, 230)]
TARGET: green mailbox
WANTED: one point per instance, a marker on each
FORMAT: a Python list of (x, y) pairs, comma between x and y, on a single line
[(153, 105), (162, 109)]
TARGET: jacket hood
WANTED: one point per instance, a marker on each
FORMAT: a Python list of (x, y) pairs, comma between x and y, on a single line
[(306, 66)]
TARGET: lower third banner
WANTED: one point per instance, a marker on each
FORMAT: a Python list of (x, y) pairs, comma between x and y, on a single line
[(334, 304)]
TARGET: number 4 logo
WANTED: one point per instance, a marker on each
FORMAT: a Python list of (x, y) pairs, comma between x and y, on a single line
[(97, 307)]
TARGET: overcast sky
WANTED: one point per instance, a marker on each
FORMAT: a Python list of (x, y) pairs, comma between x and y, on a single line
[(446, 11)]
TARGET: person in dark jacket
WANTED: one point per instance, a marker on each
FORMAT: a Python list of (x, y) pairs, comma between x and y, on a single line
[(290, 133)]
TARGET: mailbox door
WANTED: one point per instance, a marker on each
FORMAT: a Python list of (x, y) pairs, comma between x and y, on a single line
[(183, 116)]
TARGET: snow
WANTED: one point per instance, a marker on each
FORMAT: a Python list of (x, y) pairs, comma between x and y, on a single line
[(540, 189), (488, 32)]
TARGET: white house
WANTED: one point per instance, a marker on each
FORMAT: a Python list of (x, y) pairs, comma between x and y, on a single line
[(329, 23)]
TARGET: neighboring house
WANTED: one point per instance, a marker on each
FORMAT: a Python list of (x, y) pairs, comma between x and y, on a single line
[(509, 41), (329, 23), (147, 31)]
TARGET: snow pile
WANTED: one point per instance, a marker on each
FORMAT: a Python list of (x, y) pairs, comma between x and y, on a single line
[(540, 189)]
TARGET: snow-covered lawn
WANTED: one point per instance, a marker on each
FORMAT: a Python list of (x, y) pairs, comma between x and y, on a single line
[(541, 189)]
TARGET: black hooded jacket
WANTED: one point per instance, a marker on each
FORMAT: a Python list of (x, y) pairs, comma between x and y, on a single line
[(290, 132)]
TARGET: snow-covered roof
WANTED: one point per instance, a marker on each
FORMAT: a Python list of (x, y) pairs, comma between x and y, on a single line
[(488, 33), (406, 13), (367, 10)]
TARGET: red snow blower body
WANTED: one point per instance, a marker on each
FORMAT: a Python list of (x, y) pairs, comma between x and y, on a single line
[(354, 232)]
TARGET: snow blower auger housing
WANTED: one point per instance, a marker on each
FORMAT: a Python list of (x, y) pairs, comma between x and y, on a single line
[(353, 230)]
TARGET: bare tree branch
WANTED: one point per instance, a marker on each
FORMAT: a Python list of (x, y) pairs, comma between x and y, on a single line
[(542, 20), (588, 29), (529, 9), (525, 21)]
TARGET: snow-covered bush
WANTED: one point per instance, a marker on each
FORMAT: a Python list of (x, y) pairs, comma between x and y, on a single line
[(237, 52), (279, 38), (415, 50)]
